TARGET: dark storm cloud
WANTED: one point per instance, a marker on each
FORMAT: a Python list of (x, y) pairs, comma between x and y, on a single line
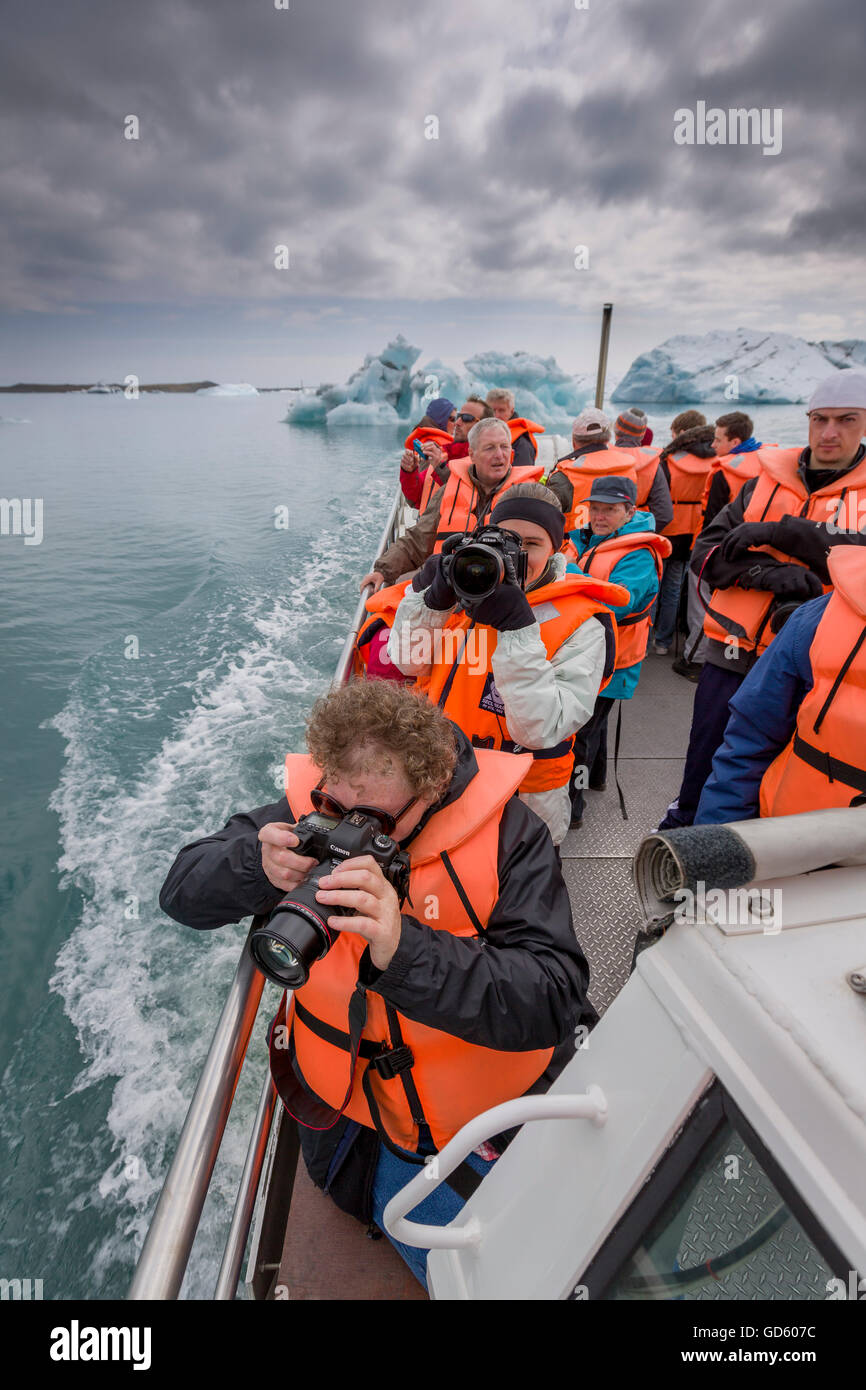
[(305, 126)]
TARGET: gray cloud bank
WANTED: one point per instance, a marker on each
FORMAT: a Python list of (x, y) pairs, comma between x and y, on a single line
[(306, 127)]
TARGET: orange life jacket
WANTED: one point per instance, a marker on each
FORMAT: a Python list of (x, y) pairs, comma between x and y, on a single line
[(744, 614), (381, 609), (520, 425), (645, 458), (453, 887), (465, 689), (688, 477), (632, 631), (582, 472), (423, 433), (457, 513), (737, 468), (816, 770)]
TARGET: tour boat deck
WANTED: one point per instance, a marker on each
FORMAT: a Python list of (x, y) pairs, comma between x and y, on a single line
[(327, 1254)]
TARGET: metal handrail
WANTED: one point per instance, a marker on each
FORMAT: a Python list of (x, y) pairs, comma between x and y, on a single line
[(166, 1251), (172, 1231)]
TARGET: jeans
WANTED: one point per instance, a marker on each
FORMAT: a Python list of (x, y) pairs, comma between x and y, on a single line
[(443, 1204), (668, 601)]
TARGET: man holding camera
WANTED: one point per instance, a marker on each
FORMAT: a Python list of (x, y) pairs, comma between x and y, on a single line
[(539, 654), (763, 553), (416, 1015), (471, 490)]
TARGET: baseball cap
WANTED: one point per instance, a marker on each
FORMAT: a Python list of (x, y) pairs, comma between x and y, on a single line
[(614, 488), (590, 423)]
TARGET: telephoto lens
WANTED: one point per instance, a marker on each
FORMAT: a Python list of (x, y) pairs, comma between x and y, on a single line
[(477, 571), (297, 932), (477, 563)]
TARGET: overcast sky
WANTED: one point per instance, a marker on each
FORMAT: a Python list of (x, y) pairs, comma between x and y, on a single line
[(305, 127)]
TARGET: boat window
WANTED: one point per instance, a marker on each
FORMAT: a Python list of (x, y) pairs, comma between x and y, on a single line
[(724, 1229)]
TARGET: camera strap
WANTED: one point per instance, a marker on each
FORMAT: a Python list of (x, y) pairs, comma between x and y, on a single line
[(389, 1063)]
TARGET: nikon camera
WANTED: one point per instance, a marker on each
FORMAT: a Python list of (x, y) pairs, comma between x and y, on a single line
[(297, 935), (475, 564)]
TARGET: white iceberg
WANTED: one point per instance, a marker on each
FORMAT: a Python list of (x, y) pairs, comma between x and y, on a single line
[(242, 388), (382, 379), (743, 367), (543, 391), (362, 413)]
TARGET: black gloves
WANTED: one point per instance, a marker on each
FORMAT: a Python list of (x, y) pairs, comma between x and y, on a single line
[(785, 581), (798, 536), (810, 541), (506, 609), (439, 594), (746, 536)]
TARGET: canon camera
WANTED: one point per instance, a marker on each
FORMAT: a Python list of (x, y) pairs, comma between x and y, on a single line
[(297, 934), (475, 564)]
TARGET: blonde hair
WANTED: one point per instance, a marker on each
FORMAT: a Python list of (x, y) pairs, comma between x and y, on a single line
[(384, 727)]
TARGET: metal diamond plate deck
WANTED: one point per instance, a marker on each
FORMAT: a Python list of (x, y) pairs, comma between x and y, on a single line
[(606, 916), (656, 722), (649, 786)]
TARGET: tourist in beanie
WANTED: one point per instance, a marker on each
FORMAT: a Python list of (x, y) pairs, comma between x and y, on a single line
[(630, 426), (439, 412)]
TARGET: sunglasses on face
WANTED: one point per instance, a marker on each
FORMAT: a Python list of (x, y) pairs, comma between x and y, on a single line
[(328, 805), (463, 415), (452, 417)]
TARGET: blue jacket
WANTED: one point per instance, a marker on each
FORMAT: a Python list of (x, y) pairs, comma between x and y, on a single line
[(637, 573), (763, 715)]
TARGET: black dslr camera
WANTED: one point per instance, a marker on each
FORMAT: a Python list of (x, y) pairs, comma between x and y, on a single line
[(296, 934), (475, 564)]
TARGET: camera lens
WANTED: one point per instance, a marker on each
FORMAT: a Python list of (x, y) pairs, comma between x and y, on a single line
[(477, 571), (290, 944)]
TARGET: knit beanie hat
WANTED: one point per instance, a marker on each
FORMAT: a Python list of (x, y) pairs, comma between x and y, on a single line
[(439, 410), (631, 424)]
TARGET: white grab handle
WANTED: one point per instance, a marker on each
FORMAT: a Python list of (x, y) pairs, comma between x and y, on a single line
[(591, 1106)]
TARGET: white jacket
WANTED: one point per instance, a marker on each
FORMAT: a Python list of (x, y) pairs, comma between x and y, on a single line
[(545, 701)]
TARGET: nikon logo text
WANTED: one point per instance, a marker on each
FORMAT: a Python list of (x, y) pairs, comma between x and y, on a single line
[(76, 1343), (738, 126)]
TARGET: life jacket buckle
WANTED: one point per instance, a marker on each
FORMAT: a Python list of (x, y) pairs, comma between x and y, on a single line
[(389, 1064)]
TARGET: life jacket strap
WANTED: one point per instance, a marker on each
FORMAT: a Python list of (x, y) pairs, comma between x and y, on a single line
[(842, 673), (832, 768)]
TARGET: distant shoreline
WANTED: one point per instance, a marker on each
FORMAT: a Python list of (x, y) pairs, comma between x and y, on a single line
[(36, 387)]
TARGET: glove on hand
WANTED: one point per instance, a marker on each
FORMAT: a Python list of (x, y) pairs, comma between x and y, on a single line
[(506, 609), (810, 542), (439, 594), (785, 581), (722, 572), (746, 536)]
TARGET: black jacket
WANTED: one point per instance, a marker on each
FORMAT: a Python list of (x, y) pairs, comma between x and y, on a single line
[(523, 986)]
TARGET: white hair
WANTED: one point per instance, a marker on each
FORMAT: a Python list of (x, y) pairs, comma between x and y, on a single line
[(474, 435), (500, 393)]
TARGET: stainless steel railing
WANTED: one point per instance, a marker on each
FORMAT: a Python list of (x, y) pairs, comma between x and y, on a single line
[(172, 1231)]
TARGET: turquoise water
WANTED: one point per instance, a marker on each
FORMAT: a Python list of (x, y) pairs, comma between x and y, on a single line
[(159, 537)]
